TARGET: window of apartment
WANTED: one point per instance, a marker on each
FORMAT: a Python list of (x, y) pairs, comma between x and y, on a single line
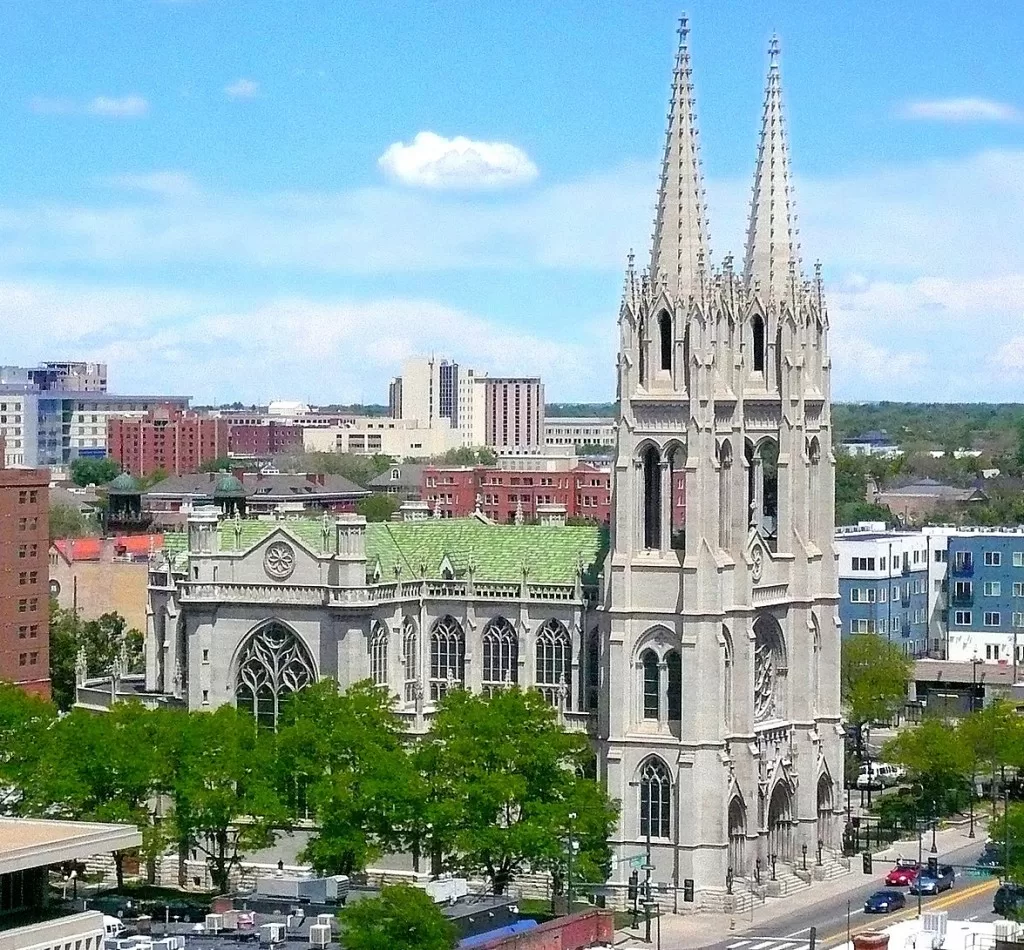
[(22, 578), (992, 588), (33, 659), (22, 659), (854, 595), (1017, 620), (883, 594), (962, 560), (23, 631), (881, 563), (991, 618), (895, 591), (871, 595), (993, 558), (991, 651), (863, 563), (896, 624), (917, 556), (1018, 558), (963, 589), (1018, 589)]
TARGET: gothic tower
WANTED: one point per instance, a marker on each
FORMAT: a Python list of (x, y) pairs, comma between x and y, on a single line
[(719, 726)]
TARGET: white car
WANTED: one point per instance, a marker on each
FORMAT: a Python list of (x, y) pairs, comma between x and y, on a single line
[(879, 775)]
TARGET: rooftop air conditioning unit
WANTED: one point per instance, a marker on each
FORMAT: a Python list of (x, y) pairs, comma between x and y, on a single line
[(214, 923), (319, 935)]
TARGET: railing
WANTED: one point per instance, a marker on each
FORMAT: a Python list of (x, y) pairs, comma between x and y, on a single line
[(550, 592), (962, 599), (962, 568), (257, 593), (497, 591)]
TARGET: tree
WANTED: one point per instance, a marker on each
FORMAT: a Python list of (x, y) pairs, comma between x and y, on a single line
[(67, 521), (146, 481), (65, 635), (377, 507), (343, 755), (503, 778), (992, 738), (225, 799), (87, 471), (469, 456), (875, 674), (935, 758), (359, 469), (223, 463), (25, 724), (402, 918)]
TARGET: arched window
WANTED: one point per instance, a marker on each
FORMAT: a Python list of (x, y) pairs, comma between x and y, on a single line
[(763, 488), (554, 664), (727, 677), (410, 658), (813, 459), (724, 496), (674, 691), (501, 655), (815, 664), (769, 669), (655, 800), (592, 670), (642, 361), (447, 657), (379, 654), (652, 498), (272, 666), (652, 685), (757, 336), (677, 496), (665, 340)]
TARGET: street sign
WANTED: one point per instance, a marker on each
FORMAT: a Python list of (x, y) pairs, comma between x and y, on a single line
[(637, 861)]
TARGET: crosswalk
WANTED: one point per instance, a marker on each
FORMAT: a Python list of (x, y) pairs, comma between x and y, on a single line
[(769, 943)]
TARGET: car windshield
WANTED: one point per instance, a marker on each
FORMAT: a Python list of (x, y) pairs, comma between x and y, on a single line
[(905, 863)]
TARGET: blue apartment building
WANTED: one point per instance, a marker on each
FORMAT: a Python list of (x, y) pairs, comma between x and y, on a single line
[(986, 596), (884, 585)]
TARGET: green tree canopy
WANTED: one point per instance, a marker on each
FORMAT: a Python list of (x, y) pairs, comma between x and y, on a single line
[(402, 918), (25, 733), (935, 758), (468, 456), (67, 521), (504, 778), (377, 507), (874, 677), (86, 471), (224, 773)]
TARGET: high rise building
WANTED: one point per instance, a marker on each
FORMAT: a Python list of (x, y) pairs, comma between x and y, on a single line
[(168, 440), (24, 578), (514, 412), (432, 390), (720, 727)]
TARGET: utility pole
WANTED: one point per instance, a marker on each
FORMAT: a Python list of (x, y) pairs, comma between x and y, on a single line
[(648, 867), (568, 874)]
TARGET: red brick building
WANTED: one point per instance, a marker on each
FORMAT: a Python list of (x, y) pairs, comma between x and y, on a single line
[(264, 439), (25, 578), (167, 438)]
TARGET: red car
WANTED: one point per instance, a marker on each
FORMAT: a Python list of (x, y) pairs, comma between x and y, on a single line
[(903, 874)]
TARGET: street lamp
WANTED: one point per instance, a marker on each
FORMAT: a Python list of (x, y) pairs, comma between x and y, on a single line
[(975, 660), (568, 874)]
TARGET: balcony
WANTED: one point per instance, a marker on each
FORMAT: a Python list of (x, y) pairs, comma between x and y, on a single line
[(961, 599), (962, 568)]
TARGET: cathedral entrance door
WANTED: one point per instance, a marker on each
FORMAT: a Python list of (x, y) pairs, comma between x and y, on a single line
[(825, 816), (780, 815), (737, 838)]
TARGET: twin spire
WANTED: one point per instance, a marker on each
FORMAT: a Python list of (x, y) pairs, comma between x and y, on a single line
[(679, 252)]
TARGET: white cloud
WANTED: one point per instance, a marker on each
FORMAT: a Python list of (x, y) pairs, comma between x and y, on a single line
[(52, 105), (964, 109), (242, 89), (432, 161), (123, 107), (1010, 356)]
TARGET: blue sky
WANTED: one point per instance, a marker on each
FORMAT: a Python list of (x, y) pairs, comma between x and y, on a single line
[(273, 200)]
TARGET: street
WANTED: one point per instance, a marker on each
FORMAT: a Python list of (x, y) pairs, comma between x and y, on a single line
[(970, 898)]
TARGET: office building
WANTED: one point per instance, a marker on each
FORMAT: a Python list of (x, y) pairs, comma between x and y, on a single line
[(586, 433), (166, 440), (513, 412)]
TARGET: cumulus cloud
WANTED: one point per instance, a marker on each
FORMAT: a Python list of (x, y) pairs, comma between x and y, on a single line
[(242, 89), (118, 107), (964, 109), (432, 161)]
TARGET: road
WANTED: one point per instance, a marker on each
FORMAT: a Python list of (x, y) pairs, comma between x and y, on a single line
[(970, 898)]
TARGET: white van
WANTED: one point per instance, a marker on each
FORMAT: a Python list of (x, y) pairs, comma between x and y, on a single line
[(113, 927), (879, 775)]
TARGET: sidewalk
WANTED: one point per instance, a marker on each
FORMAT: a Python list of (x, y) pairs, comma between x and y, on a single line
[(683, 932)]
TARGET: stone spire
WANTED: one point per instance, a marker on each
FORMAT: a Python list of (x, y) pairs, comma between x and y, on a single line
[(679, 251), (772, 261)]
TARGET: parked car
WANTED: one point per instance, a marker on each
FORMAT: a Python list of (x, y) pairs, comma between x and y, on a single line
[(1008, 899), (925, 883), (991, 857), (903, 874), (879, 775), (884, 902)]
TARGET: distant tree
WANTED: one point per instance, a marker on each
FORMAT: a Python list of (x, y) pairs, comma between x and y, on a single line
[(359, 469), (25, 731), (503, 779), (993, 739), (935, 759), (855, 512), (468, 456), (874, 677), (67, 521), (87, 471), (377, 507), (401, 918), (65, 636), (154, 477), (585, 450), (223, 790), (222, 463), (1010, 825)]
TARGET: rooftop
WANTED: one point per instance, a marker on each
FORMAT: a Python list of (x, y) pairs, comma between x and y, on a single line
[(33, 843)]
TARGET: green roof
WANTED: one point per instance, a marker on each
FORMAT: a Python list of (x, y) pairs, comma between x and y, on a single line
[(124, 484), (550, 553), (176, 547), (228, 485)]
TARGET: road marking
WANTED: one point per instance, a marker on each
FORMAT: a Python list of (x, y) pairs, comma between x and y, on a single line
[(796, 933), (762, 946), (736, 946)]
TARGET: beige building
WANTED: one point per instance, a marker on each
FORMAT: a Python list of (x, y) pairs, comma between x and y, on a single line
[(581, 432), (378, 435)]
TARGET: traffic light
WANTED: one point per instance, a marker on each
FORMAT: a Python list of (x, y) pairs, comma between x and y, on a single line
[(933, 867), (688, 890), (866, 858), (632, 891), (855, 822)]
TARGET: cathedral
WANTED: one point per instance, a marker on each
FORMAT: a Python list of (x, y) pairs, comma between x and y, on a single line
[(695, 641)]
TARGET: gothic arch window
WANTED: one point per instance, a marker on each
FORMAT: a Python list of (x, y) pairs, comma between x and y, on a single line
[(655, 799), (815, 664), (651, 463), (410, 658), (501, 655), (763, 488), (592, 671), (652, 683), (686, 359), (728, 663), (554, 663), (675, 455), (813, 459), (780, 821), (737, 837), (447, 657), (757, 341), (674, 688), (272, 665), (665, 340), (778, 360), (724, 496), (379, 654), (642, 356), (826, 819), (769, 669)]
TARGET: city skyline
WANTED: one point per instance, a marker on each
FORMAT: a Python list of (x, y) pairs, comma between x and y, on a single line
[(480, 201)]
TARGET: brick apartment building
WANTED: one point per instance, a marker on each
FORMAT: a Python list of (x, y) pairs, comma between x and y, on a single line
[(166, 438), (264, 439), (25, 578), (584, 491)]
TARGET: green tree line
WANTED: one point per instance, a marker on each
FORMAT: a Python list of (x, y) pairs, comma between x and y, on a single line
[(488, 790)]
